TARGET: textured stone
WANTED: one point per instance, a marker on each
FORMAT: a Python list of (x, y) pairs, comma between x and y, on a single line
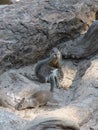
[(29, 29), (14, 87), (84, 46)]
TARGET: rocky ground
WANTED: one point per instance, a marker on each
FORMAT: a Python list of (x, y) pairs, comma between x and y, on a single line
[(28, 31)]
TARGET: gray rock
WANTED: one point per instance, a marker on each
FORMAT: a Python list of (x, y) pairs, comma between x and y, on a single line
[(9, 120), (14, 87), (79, 103), (29, 28), (84, 46)]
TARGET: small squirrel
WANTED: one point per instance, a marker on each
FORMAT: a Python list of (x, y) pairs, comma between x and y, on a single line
[(42, 69), (40, 98), (50, 69)]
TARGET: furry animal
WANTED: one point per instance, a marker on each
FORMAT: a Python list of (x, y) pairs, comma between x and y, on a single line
[(38, 99), (50, 69), (42, 69)]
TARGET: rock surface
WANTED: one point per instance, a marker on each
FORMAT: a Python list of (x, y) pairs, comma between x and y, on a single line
[(28, 31), (9, 120), (14, 87), (83, 46), (77, 105)]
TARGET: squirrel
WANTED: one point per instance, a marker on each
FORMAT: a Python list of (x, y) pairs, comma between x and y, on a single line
[(50, 69), (38, 99)]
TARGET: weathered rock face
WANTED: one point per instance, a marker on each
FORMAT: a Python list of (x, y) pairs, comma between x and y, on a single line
[(28, 29), (79, 103), (14, 87), (83, 46), (11, 120)]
